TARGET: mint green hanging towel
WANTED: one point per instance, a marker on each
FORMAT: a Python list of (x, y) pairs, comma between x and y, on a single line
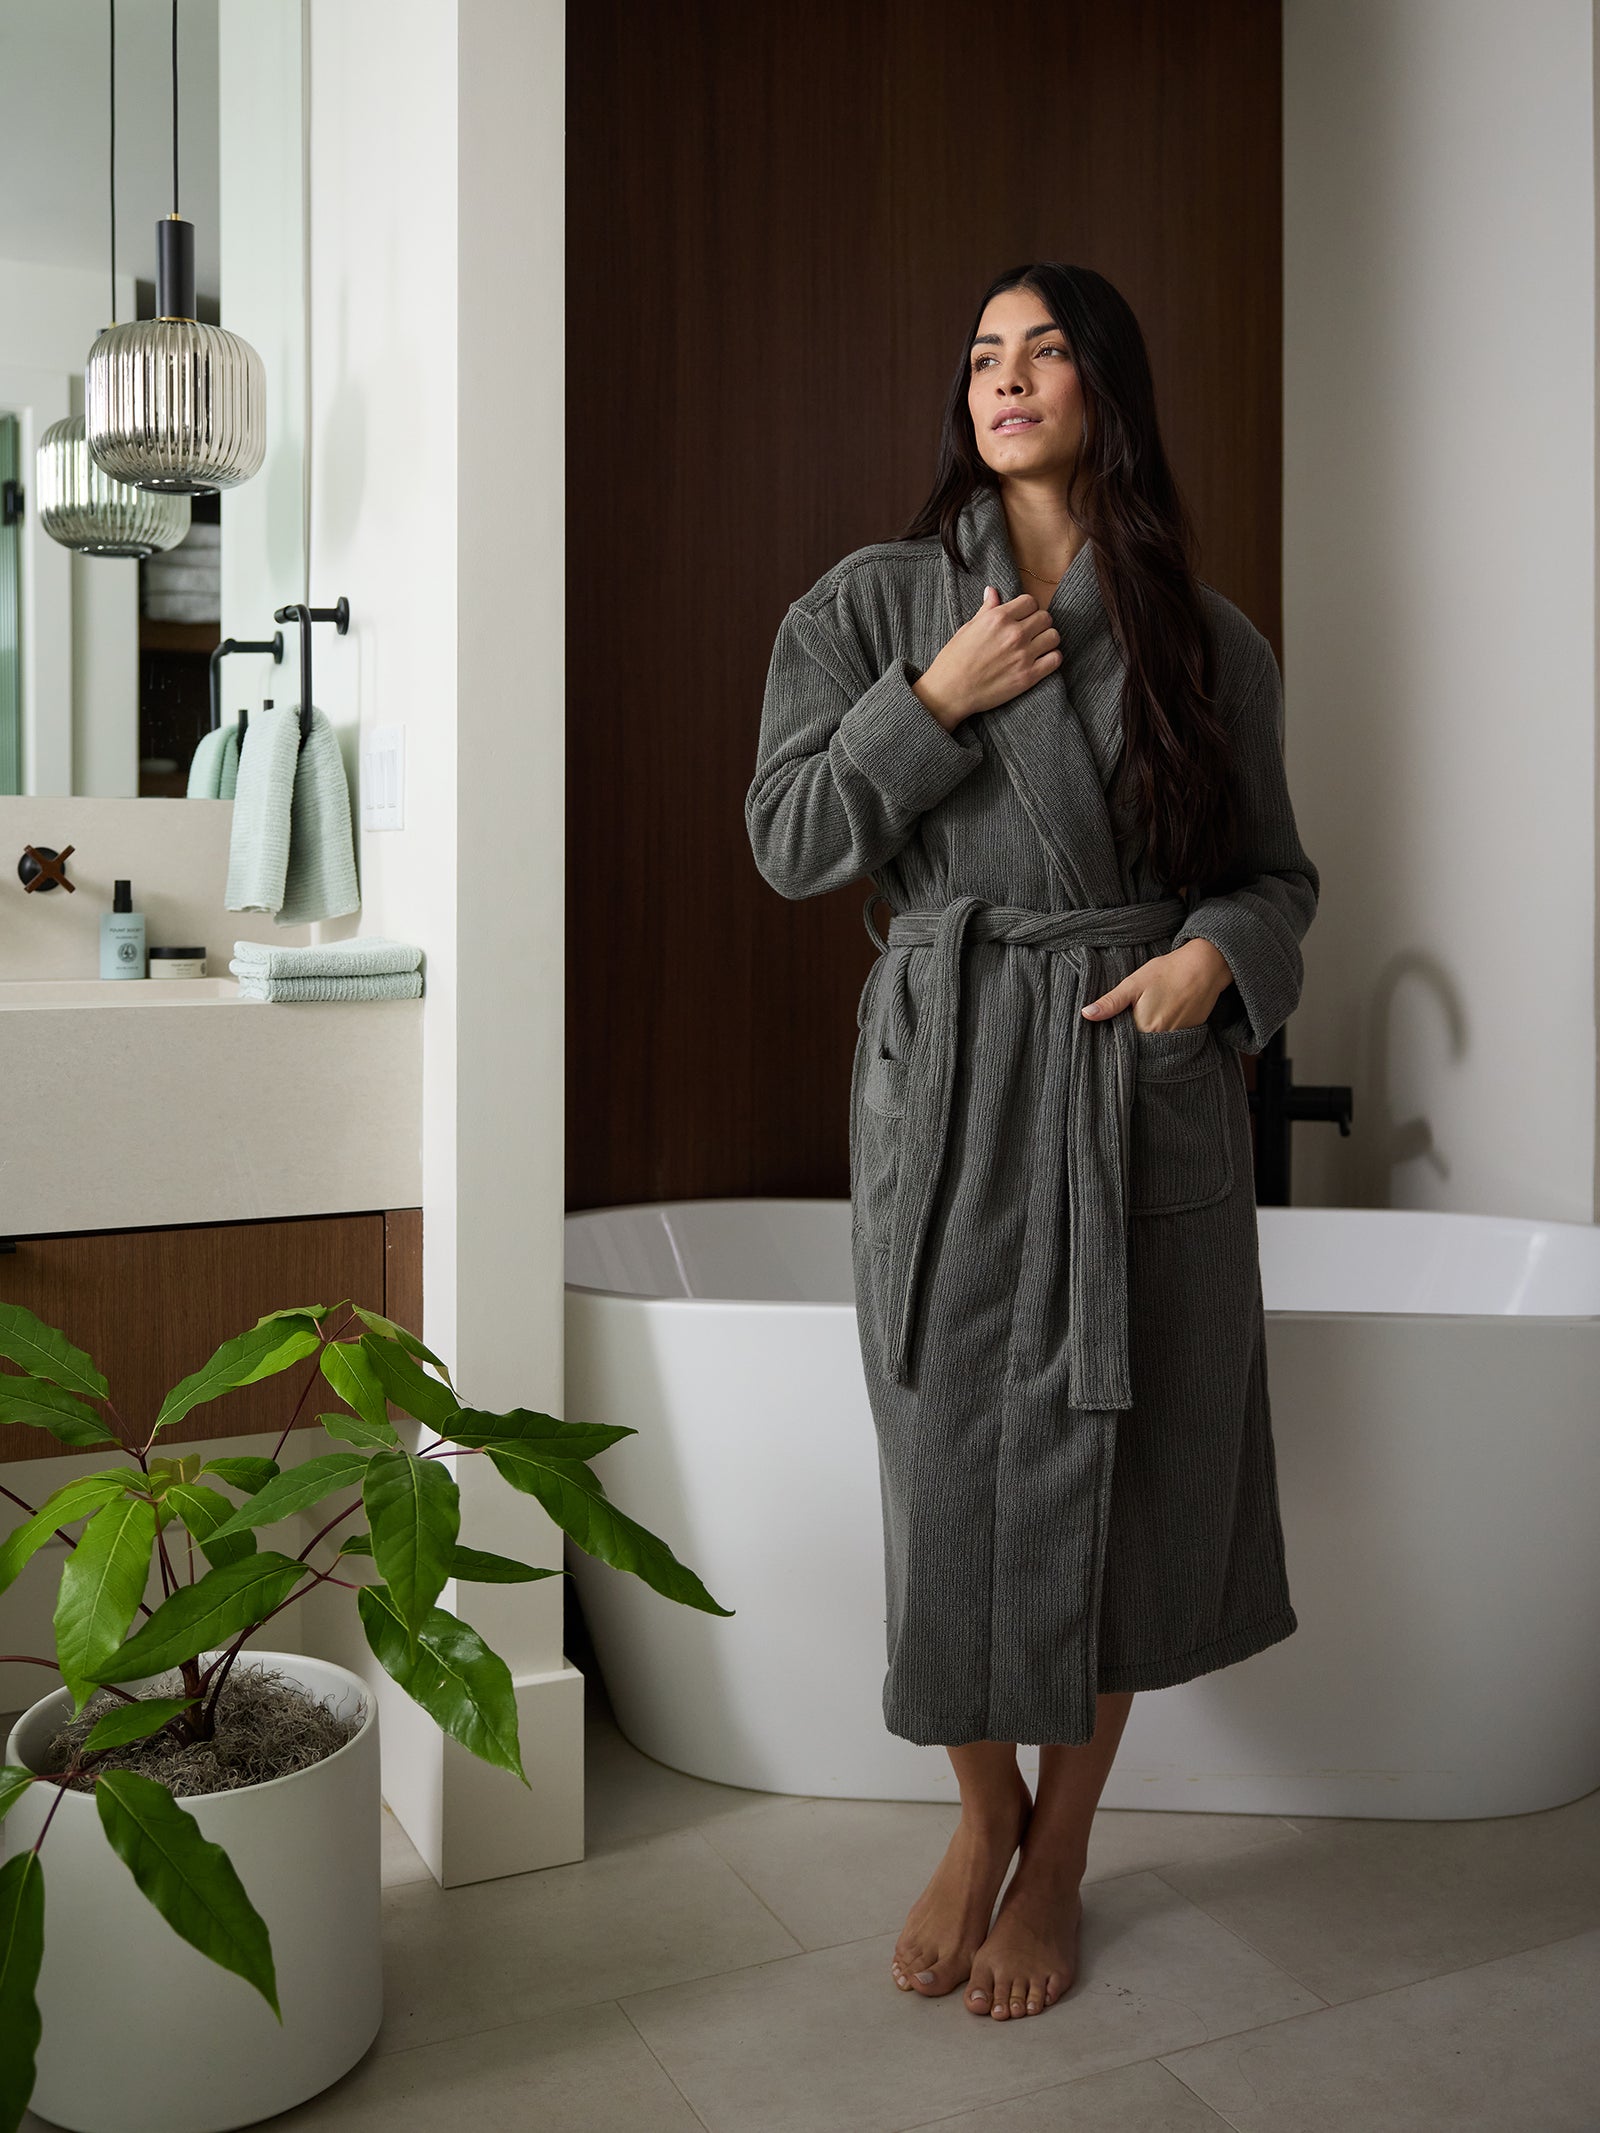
[(214, 766), (292, 850)]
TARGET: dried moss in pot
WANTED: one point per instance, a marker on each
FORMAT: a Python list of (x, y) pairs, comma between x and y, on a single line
[(267, 1727)]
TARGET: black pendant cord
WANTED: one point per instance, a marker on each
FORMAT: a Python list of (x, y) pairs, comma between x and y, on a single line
[(174, 106), (112, 160)]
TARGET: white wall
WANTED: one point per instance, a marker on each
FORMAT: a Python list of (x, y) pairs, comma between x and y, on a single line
[(1439, 593), (262, 220), (436, 153)]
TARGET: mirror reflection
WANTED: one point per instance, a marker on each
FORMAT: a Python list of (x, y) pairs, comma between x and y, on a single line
[(106, 655)]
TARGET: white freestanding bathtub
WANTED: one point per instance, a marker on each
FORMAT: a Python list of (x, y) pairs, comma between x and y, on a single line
[(1435, 1383)]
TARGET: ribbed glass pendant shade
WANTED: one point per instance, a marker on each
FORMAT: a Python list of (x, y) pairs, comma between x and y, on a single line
[(172, 404), (84, 509)]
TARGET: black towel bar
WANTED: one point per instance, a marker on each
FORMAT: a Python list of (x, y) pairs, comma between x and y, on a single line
[(297, 611), (273, 644)]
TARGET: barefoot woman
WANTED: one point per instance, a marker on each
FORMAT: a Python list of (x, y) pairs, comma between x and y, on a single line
[(1058, 755)]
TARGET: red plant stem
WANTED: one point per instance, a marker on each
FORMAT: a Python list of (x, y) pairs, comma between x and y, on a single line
[(124, 1434), (326, 1340), (61, 1793), (27, 1659), (169, 1577), (61, 1533), (220, 1667), (337, 1519)]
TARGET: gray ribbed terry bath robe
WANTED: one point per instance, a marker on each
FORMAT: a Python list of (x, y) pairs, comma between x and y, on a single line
[(1057, 1279)]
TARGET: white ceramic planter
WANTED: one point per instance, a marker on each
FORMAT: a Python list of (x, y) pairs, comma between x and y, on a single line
[(142, 2033)]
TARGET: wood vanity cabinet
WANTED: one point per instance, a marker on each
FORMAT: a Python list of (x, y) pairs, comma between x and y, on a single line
[(150, 1305)]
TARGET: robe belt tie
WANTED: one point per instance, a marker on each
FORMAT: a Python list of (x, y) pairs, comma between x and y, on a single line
[(1101, 1067)]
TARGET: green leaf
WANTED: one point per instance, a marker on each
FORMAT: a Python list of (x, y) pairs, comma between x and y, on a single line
[(45, 1406), (475, 1565), (350, 1429), (160, 1474), (102, 1583), (536, 1432), (600, 1529), (413, 1508), (247, 1474), (478, 1567), (297, 1488), (201, 1616), (409, 1385), (314, 1312), (21, 1952), (244, 1360), (377, 1323), (85, 1492), (351, 1374), (42, 1350), (451, 1673), (135, 1721), (190, 1880), (14, 1782), (203, 1511)]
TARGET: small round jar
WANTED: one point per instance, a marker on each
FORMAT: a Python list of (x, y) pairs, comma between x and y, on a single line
[(177, 962)]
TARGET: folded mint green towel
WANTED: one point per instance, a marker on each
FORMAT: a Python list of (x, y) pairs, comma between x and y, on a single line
[(381, 985), (292, 850), (214, 766), (328, 959)]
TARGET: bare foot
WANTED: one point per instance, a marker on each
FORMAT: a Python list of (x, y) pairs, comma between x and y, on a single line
[(1031, 1955), (949, 1919)]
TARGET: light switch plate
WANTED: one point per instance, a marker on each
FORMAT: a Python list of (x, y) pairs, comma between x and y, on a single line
[(383, 778)]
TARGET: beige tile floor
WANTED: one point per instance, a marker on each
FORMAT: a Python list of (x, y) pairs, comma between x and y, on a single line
[(718, 1963)]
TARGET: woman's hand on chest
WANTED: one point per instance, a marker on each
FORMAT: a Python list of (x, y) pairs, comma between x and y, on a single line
[(1170, 991)]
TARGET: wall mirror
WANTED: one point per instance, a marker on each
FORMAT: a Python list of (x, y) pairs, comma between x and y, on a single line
[(105, 662)]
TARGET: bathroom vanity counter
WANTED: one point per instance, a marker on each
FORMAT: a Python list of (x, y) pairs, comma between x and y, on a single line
[(172, 1100), (121, 992)]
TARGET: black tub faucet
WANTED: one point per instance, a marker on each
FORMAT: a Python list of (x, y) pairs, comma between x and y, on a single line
[(1277, 1103)]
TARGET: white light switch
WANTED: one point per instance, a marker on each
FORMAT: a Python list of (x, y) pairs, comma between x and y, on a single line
[(383, 778)]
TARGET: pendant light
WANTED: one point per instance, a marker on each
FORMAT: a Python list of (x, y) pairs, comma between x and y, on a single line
[(172, 404), (79, 506)]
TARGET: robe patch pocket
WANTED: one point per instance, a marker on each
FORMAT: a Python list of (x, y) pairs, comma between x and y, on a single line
[(876, 1151), (1181, 1153), (885, 1042)]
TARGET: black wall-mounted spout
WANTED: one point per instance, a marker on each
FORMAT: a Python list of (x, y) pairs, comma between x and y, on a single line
[(1277, 1103)]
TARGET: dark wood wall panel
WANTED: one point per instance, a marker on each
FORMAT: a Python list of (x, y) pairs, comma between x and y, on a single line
[(151, 1305), (778, 223), (402, 1276)]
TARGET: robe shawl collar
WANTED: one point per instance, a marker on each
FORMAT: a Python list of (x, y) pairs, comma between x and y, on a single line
[(1060, 739)]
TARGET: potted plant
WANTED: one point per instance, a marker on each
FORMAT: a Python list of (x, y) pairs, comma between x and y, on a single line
[(109, 2023)]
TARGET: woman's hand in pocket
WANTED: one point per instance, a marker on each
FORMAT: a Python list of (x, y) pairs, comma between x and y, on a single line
[(1171, 991)]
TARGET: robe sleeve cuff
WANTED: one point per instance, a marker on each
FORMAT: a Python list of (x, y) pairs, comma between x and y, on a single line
[(1258, 926), (1268, 971), (898, 745)]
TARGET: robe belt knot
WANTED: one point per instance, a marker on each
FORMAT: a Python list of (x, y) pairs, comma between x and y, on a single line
[(1101, 1069)]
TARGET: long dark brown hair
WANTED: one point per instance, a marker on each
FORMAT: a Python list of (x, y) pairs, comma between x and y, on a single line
[(1174, 782)]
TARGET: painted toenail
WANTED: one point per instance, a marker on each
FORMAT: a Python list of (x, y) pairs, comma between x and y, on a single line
[(924, 1977)]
